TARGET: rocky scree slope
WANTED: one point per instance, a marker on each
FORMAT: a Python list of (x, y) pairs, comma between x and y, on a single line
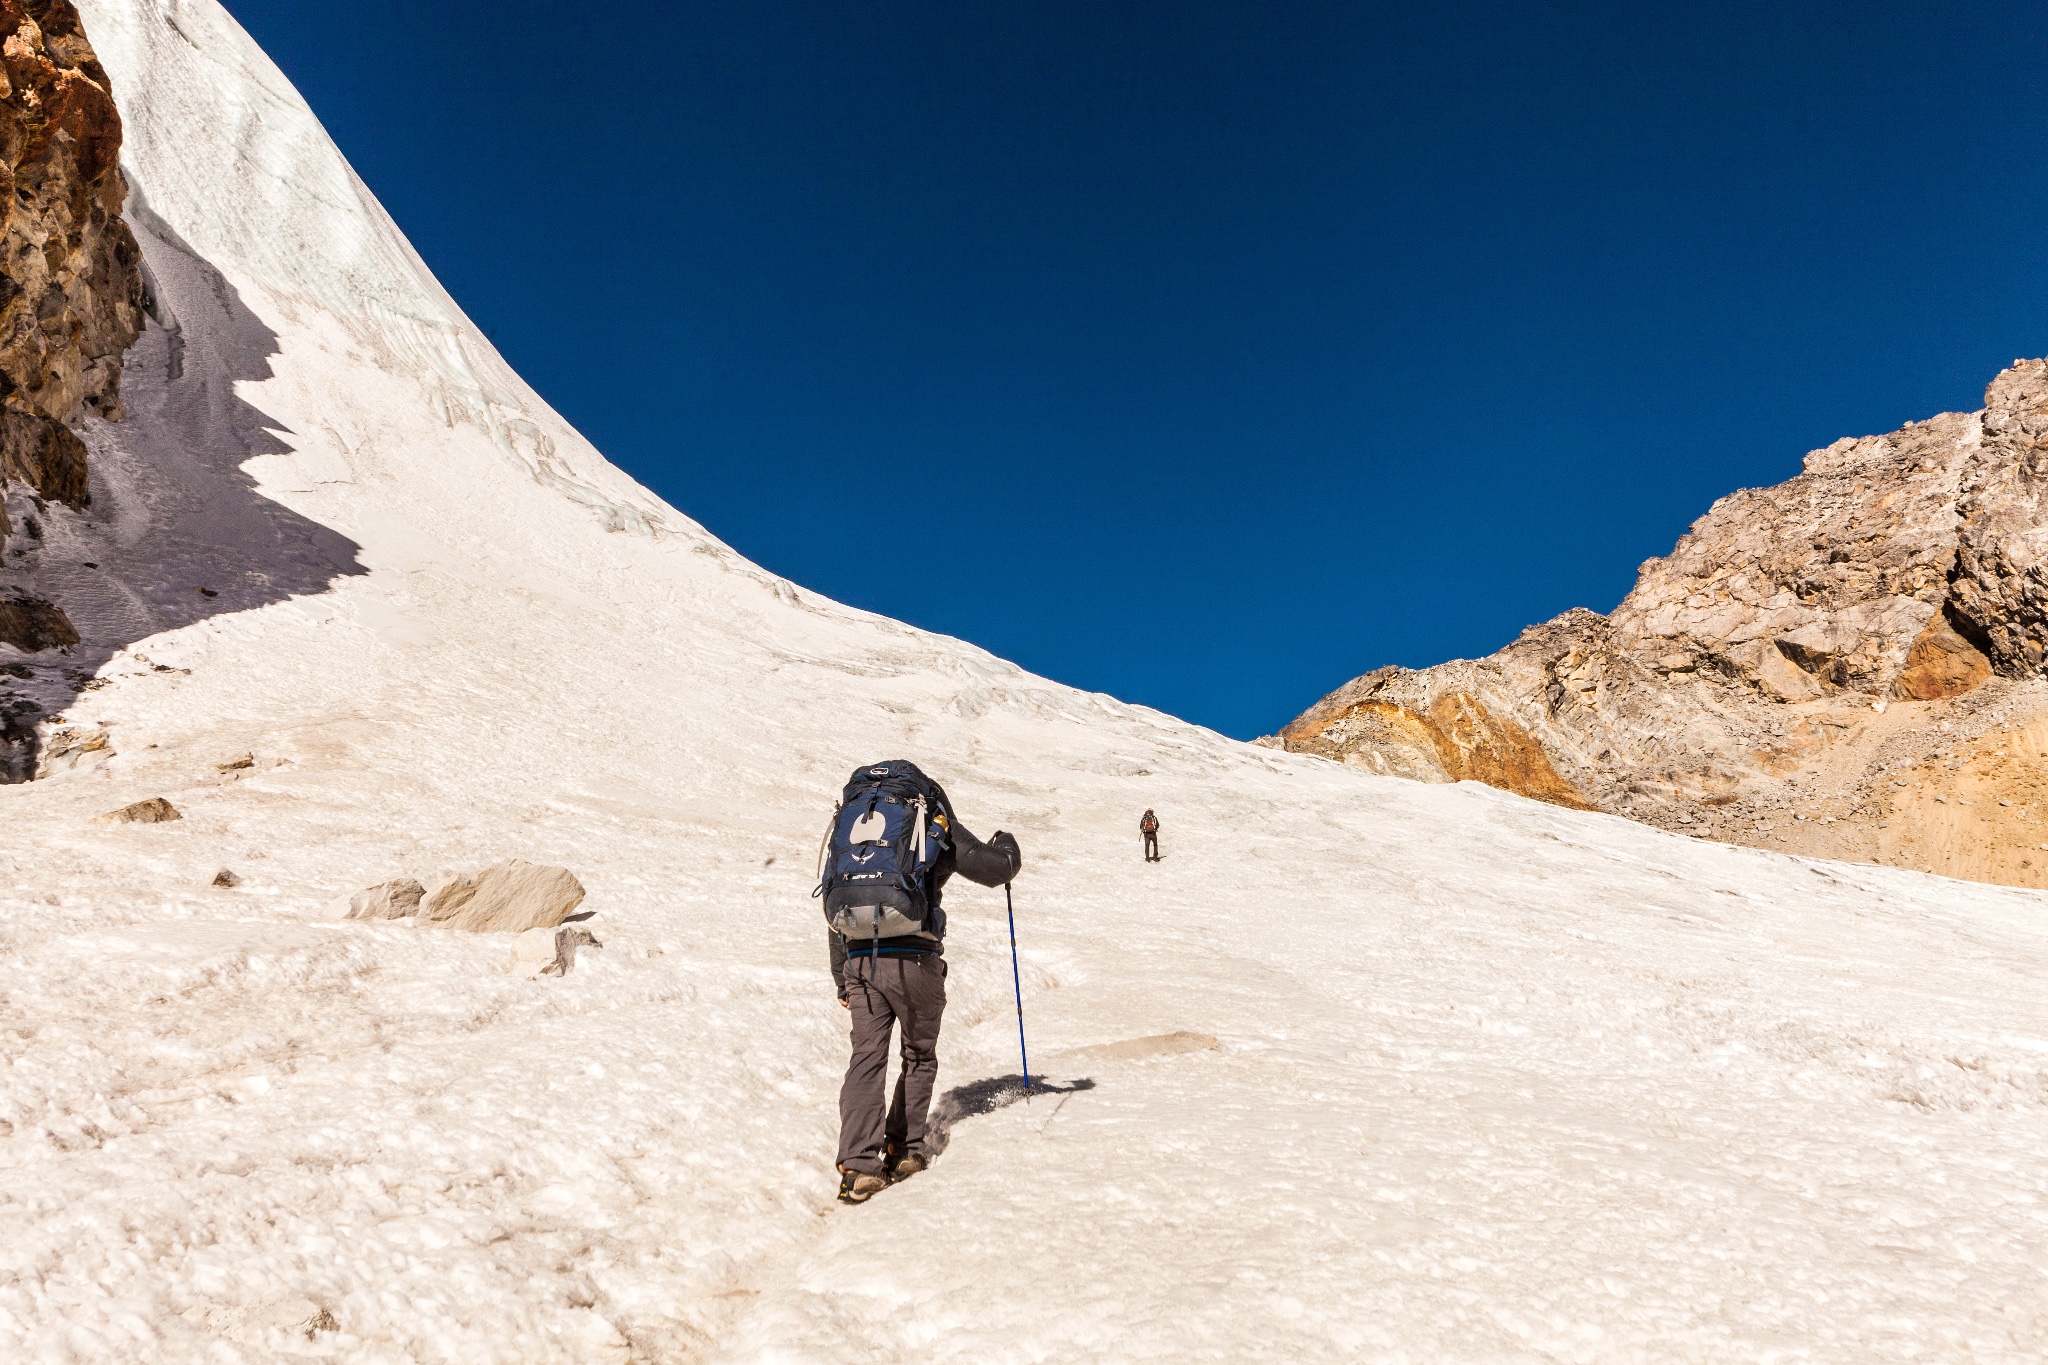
[(1849, 664), (71, 301)]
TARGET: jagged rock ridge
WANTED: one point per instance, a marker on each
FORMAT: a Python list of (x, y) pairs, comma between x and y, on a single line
[(1786, 675)]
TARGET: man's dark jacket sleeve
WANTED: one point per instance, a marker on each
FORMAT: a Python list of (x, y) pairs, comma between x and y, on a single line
[(837, 947), (990, 864)]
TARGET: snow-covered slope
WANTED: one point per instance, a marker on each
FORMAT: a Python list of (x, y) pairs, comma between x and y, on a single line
[(1490, 1080)]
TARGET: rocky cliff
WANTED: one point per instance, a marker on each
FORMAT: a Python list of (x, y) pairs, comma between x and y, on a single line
[(71, 292), (1850, 664), (71, 302)]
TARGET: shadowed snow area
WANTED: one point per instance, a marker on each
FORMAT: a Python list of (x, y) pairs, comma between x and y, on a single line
[(178, 531), (1365, 1068)]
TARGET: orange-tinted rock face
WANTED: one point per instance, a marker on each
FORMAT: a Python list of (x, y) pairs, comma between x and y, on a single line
[(1456, 740), (1382, 736), (71, 290), (1478, 746), (1815, 666), (1941, 664)]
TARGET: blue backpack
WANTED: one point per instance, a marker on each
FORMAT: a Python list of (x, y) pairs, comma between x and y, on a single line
[(875, 867)]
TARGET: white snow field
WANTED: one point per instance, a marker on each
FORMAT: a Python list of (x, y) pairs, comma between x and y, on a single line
[(1364, 1069)]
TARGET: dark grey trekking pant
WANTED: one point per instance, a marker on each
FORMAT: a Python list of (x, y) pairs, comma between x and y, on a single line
[(910, 991), (1151, 845)]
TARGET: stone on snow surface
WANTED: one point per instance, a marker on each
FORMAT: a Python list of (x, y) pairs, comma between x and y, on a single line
[(387, 900), (153, 811), (548, 951), (509, 898)]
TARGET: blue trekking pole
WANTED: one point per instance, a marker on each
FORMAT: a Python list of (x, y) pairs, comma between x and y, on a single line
[(1017, 980)]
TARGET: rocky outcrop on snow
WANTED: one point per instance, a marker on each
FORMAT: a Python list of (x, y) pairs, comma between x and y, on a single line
[(71, 290), (154, 811), (548, 951), (511, 897), (31, 624), (1800, 654), (67, 747), (387, 900)]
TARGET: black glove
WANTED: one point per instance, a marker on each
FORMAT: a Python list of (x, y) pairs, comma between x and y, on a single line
[(1004, 842)]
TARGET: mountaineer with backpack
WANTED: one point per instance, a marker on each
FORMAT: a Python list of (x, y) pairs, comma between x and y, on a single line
[(891, 846), (1148, 825)]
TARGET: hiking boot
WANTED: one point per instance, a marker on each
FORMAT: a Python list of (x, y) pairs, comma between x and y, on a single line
[(906, 1167), (857, 1187)]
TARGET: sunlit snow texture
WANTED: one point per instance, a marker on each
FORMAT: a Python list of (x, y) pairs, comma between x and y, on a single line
[(1491, 1081)]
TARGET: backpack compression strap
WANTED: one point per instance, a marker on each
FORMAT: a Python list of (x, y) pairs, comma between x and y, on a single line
[(825, 850)]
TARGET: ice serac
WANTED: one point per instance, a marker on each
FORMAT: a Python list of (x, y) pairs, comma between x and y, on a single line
[(71, 290), (1815, 665)]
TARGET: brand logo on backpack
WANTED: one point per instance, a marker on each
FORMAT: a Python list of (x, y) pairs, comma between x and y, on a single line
[(874, 869)]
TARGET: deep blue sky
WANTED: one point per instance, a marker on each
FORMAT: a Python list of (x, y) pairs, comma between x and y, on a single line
[(1210, 354)]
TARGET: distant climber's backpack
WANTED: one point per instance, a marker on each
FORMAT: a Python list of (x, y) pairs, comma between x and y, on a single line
[(875, 867)]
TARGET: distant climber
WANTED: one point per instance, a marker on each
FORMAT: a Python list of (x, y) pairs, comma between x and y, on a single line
[(888, 853), (1149, 827)]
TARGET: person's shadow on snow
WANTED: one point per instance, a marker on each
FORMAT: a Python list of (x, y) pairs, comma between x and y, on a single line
[(985, 1097)]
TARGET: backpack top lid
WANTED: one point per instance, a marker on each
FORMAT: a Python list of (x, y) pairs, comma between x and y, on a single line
[(887, 768), (898, 774)]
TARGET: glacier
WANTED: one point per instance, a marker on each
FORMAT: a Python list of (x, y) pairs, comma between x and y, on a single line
[(1364, 1069)]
